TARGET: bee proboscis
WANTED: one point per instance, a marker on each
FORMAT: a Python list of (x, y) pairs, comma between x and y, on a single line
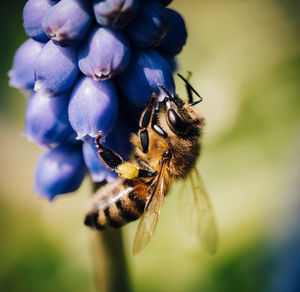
[(166, 149)]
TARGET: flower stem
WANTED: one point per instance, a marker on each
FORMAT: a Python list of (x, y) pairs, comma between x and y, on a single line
[(111, 269)]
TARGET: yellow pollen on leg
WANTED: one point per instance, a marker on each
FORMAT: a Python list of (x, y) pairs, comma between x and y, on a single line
[(128, 170)]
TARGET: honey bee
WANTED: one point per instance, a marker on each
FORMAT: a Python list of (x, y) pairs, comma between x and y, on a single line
[(166, 149)]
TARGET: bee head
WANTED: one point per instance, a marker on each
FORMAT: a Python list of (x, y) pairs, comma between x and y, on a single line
[(181, 118)]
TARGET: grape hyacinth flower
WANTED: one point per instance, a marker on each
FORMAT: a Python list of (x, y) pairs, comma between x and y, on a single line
[(115, 13), (146, 69), (93, 106), (175, 39), (47, 121), (22, 73), (104, 54), (59, 171), (56, 69), (150, 25), (33, 15), (68, 21), (93, 65)]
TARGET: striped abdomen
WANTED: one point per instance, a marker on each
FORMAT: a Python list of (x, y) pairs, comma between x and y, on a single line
[(116, 204)]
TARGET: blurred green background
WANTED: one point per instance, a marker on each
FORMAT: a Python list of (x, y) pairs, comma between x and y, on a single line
[(245, 59)]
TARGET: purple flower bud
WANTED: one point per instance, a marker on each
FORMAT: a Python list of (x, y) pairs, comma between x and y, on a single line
[(149, 26), (104, 54), (176, 38), (56, 69), (165, 2), (59, 171), (46, 121), (68, 21), (93, 106), (33, 14), (117, 140), (115, 13), (22, 73), (146, 69)]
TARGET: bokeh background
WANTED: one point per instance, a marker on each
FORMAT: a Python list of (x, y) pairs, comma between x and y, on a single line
[(245, 59)]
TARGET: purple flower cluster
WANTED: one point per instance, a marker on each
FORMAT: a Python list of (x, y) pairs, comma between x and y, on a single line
[(90, 65)]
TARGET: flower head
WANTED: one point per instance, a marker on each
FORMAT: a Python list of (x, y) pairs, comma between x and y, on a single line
[(93, 65)]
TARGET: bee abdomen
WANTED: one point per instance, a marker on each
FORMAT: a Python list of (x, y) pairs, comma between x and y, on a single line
[(91, 220), (127, 214), (116, 209)]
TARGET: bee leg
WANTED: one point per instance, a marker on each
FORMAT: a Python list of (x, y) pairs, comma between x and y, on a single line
[(110, 158), (145, 120), (116, 163), (144, 138)]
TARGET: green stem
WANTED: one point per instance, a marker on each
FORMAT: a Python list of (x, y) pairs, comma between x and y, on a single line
[(111, 269)]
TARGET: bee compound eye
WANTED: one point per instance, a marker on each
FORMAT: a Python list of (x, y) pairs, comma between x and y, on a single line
[(177, 124)]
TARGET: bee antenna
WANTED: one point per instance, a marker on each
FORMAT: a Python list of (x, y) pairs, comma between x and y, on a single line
[(191, 88), (165, 90)]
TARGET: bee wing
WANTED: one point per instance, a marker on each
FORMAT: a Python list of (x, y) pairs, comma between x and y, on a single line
[(196, 212), (148, 222)]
